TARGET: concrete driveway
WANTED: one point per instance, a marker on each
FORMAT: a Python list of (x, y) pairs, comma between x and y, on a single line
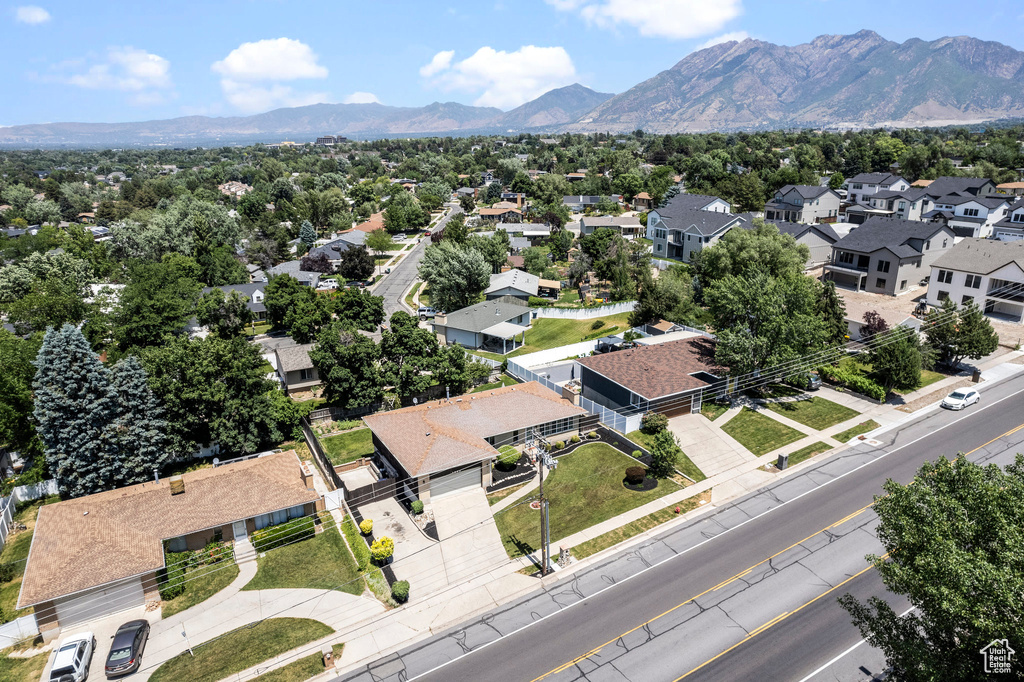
[(418, 558), (470, 542), (103, 630), (710, 448)]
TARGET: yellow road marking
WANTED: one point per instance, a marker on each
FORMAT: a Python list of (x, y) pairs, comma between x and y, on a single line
[(770, 623)]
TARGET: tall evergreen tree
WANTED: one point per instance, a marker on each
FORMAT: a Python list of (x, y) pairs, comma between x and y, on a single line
[(307, 235), (74, 404), (139, 430), (833, 313)]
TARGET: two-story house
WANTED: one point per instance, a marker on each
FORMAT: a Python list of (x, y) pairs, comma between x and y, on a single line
[(910, 204), (968, 215), (988, 272), (253, 293), (807, 204), (861, 187), (975, 187), (679, 232), (1011, 228), (887, 255)]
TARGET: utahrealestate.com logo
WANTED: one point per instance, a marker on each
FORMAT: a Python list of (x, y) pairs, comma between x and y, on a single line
[(998, 656)]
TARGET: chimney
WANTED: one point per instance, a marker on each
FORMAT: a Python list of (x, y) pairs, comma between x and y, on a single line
[(177, 485), (156, 475)]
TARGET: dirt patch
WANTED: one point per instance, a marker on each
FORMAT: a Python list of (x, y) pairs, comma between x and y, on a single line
[(932, 397)]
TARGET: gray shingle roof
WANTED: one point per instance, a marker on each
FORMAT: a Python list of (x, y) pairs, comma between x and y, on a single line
[(957, 199), (874, 178), (294, 269), (516, 279), (912, 194), (480, 316), (705, 222), (888, 233), (982, 256), (609, 221), (805, 191), (949, 185), (686, 202), (294, 358)]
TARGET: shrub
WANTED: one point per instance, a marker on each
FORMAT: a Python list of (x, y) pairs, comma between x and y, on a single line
[(559, 445), (637, 454), (6, 573), (575, 438), (538, 302), (593, 435), (358, 545), (285, 533), (853, 381), (173, 576), (382, 548), (417, 506), (653, 422), (597, 324), (400, 591), (366, 526), (508, 456), (635, 475)]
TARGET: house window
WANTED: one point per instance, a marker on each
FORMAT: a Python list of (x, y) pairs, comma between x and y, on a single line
[(945, 276), (846, 257), (943, 295), (305, 375), (177, 544), (1018, 218), (880, 283), (903, 285), (903, 206), (966, 299), (883, 266), (858, 185), (973, 281), (660, 234), (971, 212), (944, 243), (928, 245)]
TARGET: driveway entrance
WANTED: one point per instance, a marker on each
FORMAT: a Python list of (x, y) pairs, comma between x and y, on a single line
[(470, 542)]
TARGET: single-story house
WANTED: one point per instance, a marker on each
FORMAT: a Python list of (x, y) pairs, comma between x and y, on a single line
[(582, 202), (514, 283), (99, 554), (296, 369), (293, 268), (856, 310), (502, 215), (627, 226), (667, 377), (496, 325), (447, 446)]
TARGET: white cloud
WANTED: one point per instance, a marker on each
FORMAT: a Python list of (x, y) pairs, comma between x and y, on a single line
[(280, 59), (440, 62), (656, 18), (31, 14), (361, 98), (505, 79), (145, 75), (738, 36), (253, 98)]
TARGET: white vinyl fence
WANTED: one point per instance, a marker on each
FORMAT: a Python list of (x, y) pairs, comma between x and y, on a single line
[(587, 313), (18, 630), (22, 493)]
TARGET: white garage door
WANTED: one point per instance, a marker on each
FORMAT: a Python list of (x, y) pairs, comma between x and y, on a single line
[(100, 602), (455, 482)]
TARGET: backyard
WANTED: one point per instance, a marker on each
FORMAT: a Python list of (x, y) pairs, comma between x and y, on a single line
[(585, 489), (241, 649), (549, 332), (758, 433), (322, 562), (15, 552), (503, 380), (348, 446), (816, 413)]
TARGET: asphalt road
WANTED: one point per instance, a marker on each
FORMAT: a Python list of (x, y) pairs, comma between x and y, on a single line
[(753, 588), (394, 286)]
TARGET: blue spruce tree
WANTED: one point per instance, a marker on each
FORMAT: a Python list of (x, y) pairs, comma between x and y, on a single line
[(74, 407), (307, 235), (139, 430)]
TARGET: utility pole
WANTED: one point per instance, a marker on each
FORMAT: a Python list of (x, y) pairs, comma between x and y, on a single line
[(537, 443)]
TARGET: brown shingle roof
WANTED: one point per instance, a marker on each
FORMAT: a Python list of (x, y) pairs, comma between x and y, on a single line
[(660, 370), (97, 539), (443, 434)]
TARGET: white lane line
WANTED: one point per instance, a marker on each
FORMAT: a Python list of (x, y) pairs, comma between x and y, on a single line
[(727, 530), (845, 653)]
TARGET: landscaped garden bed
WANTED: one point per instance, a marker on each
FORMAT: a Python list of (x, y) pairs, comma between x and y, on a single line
[(683, 464)]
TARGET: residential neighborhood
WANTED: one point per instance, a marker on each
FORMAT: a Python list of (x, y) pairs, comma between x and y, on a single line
[(370, 402)]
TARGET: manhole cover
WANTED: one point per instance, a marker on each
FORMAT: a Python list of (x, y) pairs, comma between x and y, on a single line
[(535, 505)]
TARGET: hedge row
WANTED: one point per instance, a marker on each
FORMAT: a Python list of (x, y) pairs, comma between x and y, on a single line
[(356, 542), (852, 381), (285, 533)]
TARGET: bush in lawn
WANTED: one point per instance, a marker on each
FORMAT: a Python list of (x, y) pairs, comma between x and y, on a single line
[(635, 475), (382, 548), (597, 324), (508, 456), (637, 454), (173, 576), (400, 591), (653, 422), (359, 548), (417, 506), (664, 454), (559, 445), (575, 438), (366, 526), (537, 302), (285, 533), (6, 573)]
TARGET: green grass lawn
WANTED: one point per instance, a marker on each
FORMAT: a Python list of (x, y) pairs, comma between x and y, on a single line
[(569, 297), (685, 464), (548, 332), (296, 671), (411, 294), (774, 391), (585, 489), (503, 380), (713, 410), (21, 669), (260, 328), (808, 452), (758, 433), (201, 584), (241, 649), (816, 413), (320, 563), (645, 523), (16, 552), (348, 446), (863, 427)]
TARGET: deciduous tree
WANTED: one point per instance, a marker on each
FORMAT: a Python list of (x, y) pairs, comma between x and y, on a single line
[(456, 276), (225, 315), (348, 363)]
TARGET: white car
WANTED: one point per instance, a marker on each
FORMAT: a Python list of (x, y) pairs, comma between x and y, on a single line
[(71, 662), (960, 398)]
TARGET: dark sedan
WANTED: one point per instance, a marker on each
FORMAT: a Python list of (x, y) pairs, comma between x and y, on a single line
[(125, 655)]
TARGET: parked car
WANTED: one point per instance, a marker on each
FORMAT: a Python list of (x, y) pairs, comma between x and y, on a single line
[(961, 398), (398, 237), (426, 312), (125, 655), (328, 284), (71, 662)]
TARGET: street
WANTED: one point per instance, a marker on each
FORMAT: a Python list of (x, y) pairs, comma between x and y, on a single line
[(726, 595)]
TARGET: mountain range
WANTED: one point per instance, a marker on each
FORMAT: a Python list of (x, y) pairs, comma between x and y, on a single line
[(859, 80)]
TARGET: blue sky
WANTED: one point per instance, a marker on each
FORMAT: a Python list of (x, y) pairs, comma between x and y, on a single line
[(109, 61)]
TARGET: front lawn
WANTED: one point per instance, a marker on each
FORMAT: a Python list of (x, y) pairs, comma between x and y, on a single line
[(684, 464), (863, 427), (16, 552), (411, 294), (201, 583), (860, 365), (497, 496), (349, 446), (808, 452), (241, 649), (713, 410), (585, 489), (816, 413), (503, 380), (644, 523), (322, 562), (297, 671), (758, 433), (21, 669)]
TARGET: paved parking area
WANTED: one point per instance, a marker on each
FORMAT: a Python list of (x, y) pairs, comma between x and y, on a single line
[(103, 630)]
